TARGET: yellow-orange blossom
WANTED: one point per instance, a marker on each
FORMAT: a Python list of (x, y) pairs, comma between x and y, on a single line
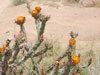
[(20, 19), (34, 12), (38, 8), (75, 59), (72, 41), (3, 49)]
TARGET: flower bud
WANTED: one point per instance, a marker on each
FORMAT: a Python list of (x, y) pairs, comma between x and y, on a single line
[(42, 71), (57, 64), (64, 63), (38, 8), (90, 60), (42, 37), (34, 13), (73, 73), (20, 20)]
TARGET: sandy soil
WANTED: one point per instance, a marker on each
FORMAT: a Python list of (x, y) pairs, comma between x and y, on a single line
[(85, 21)]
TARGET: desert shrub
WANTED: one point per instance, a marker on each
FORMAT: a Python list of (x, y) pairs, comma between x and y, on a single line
[(18, 2)]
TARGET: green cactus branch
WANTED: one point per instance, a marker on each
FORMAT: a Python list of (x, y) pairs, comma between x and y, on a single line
[(86, 65), (67, 53), (23, 31), (16, 51), (18, 41), (63, 70), (5, 59), (69, 64), (37, 22), (59, 58), (29, 53), (42, 52), (42, 27), (37, 44), (56, 71), (38, 54), (36, 19), (35, 67), (16, 48)]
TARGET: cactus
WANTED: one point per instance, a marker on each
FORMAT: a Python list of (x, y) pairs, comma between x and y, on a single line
[(7, 63)]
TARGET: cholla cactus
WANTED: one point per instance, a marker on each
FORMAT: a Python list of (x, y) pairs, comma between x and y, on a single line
[(70, 67)]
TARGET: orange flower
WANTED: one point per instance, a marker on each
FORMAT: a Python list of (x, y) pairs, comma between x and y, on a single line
[(72, 41), (3, 49), (34, 12), (75, 59), (20, 19), (38, 8)]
